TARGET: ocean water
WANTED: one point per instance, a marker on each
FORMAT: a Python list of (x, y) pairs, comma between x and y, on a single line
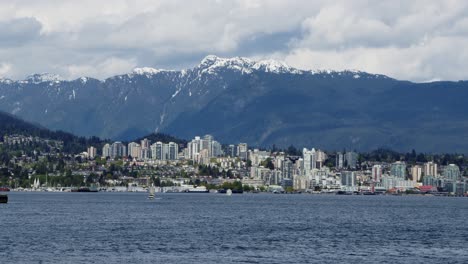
[(215, 228)]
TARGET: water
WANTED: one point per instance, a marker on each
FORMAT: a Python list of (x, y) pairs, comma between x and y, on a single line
[(214, 228)]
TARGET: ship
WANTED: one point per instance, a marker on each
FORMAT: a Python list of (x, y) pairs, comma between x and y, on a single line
[(197, 189), (85, 189)]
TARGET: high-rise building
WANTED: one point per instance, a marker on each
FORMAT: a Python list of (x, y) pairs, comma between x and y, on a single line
[(351, 159), (194, 148), (159, 152), (242, 151), (416, 173), (173, 150), (134, 150), (287, 169), (145, 149), (376, 173), (339, 163), (207, 144), (216, 149), (430, 169), (452, 172), (106, 151), (162, 151), (321, 157), (348, 178), (398, 169), (92, 151), (118, 150), (145, 143), (310, 160), (232, 151)]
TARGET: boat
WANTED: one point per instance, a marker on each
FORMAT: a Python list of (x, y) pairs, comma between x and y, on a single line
[(4, 189), (198, 189), (229, 192), (343, 193), (151, 191), (85, 189), (3, 198)]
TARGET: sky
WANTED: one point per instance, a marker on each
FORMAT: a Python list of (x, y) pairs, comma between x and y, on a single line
[(419, 40)]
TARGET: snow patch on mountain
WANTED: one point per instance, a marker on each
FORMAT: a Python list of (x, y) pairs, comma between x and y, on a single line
[(5, 81), (147, 71), (43, 77), (211, 63)]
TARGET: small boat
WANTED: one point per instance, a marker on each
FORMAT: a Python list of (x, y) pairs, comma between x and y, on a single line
[(4, 189), (151, 191), (229, 192), (3, 198)]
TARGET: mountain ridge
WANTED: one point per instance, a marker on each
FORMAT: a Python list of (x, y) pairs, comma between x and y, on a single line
[(261, 105), (208, 62)]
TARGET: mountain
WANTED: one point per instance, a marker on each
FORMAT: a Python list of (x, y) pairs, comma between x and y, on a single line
[(10, 125), (258, 102)]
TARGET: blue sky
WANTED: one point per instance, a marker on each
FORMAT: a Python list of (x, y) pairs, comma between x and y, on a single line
[(414, 40)]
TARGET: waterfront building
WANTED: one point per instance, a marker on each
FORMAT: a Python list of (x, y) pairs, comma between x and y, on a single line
[(348, 178), (452, 172), (376, 173), (285, 183), (398, 169), (416, 172), (430, 169), (390, 182), (301, 182), (433, 181)]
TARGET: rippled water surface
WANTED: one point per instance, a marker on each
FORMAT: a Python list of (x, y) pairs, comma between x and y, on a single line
[(214, 228)]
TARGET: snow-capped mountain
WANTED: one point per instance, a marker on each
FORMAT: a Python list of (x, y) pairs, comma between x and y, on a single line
[(259, 102), (43, 77)]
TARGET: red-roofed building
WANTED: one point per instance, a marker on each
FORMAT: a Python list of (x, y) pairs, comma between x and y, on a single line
[(427, 188)]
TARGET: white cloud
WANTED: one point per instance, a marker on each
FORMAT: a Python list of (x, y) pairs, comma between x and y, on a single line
[(5, 69), (416, 40), (106, 68)]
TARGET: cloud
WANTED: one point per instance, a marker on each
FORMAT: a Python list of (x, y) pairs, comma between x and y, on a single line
[(101, 69), (5, 69), (416, 40), (19, 31)]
